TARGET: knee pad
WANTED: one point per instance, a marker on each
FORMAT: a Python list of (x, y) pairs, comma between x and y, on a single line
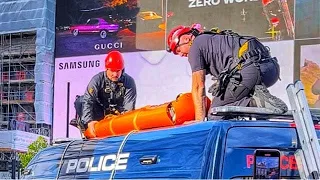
[(270, 72)]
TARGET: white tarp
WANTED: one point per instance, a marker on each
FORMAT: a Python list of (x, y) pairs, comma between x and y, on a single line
[(5, 175), (17, 140)]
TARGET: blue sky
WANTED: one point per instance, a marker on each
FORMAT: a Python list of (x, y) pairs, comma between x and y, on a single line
[(270, 162)]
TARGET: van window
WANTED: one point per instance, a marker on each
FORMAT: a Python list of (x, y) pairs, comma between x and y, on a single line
[(43, 170), (242, 142), (45, 163)]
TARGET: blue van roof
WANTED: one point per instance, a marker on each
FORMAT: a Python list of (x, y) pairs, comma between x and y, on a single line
[(187, 151)]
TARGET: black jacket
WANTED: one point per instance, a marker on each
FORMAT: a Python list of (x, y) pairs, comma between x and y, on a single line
[(101, 92)]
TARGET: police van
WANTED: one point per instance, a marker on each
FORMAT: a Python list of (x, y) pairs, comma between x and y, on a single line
[(223, 149)]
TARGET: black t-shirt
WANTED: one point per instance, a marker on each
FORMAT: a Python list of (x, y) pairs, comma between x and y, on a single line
[(213, 53)]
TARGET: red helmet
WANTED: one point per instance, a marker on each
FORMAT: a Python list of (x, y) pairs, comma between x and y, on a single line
[(174, 35), (266, 2), (114, 61)]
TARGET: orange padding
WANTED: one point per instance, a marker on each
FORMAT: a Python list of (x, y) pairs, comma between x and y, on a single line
[(148, 117)]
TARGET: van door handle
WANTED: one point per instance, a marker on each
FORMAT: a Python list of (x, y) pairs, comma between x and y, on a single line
[(148, 160), (26, 172)]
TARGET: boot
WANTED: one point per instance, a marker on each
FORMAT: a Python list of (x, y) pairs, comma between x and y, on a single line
[(74, 122), (262, 98)]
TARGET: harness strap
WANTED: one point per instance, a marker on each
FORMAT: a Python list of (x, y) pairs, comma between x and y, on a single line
[(241, 61), (232, 74), (115, 92)]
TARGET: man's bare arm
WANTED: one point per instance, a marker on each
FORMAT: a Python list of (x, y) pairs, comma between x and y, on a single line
[(199, 94)]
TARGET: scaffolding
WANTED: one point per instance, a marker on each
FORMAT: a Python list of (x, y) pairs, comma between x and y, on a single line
[(17, 81), (17, 88), (27, 31)]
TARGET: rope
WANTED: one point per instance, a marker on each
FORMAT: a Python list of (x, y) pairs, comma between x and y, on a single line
[(119, 151), (61, 160)]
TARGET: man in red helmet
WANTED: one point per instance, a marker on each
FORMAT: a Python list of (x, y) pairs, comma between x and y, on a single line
[(109, 92), (241, 66)]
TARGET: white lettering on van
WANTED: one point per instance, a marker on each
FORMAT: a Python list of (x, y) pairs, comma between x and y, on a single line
[(106, 163)]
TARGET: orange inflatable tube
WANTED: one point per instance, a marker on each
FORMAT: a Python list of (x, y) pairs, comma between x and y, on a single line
[(168, 114)]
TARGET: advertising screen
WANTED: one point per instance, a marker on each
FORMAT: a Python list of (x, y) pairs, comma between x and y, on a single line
[(89, 27), (159, 78), (87, 30), (307, 19), (310, 72), (266, 19)]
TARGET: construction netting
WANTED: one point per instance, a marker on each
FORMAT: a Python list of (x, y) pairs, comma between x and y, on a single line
[(38, 15)]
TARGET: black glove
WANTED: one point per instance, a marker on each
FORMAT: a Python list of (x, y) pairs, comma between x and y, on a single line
[(219, 88), (214, 88)]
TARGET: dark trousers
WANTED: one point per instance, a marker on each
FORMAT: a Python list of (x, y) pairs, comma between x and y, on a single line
[(241, 96), (268, 74)]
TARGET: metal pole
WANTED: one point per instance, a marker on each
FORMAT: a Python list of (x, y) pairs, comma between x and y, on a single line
[(68, 103), (13, 172), (9, 79), (18, 165), (19, 168), (162, 8)]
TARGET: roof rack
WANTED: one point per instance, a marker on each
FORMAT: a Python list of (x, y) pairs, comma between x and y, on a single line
[(231, 112), (63, 140)]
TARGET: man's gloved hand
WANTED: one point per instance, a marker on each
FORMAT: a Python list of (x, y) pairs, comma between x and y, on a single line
[(214, 88), (116, 112), (90, 132)]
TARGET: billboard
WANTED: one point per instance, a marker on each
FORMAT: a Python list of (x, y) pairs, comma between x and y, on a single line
[(307, 19), (285, 58), (140, 27), (309, 52), (159, 78), (89, 27), (266, 19)]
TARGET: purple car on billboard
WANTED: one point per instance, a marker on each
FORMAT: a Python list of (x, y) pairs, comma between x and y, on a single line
[(95, 25)]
